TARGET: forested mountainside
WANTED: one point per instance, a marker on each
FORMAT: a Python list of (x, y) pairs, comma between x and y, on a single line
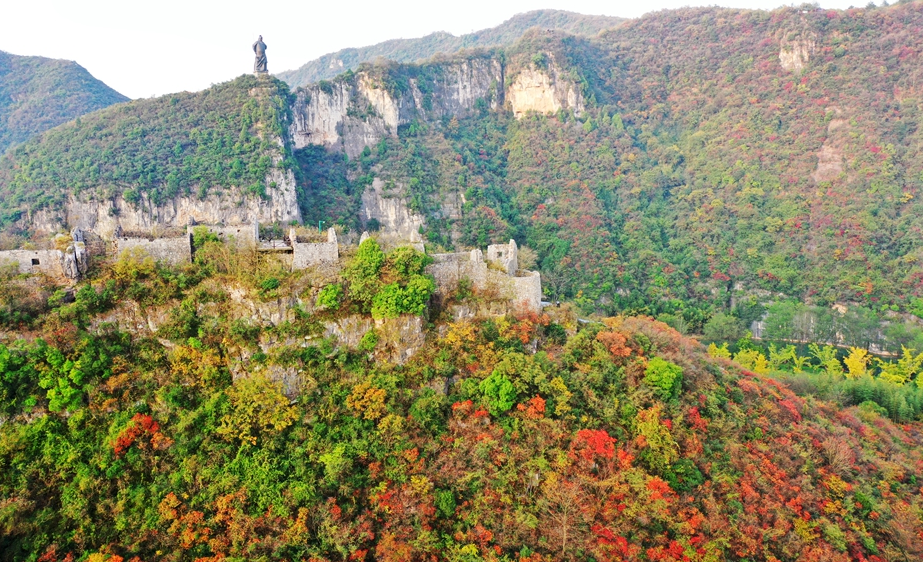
[(696, 164), (222, 143), (712, 154), (684, 163), (228, 409), (410, 50), (37, 94)]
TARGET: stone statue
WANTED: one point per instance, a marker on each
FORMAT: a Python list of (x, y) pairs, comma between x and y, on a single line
[(259, 65)]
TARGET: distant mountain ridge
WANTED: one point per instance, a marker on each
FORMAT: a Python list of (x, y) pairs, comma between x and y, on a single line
[(38, 93), (410, 50)]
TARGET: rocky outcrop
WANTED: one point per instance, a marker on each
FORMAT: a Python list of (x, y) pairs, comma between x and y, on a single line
[(395, 219), (359, 111), (229, 206), (355, 112), (543, 90), (398, 338), (795, 54), (830, 161)]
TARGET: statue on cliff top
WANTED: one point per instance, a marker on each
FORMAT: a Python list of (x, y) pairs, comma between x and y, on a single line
[(259, 65)]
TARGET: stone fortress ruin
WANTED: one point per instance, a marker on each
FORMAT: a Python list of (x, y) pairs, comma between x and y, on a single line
[(70, 263), (497, 274)]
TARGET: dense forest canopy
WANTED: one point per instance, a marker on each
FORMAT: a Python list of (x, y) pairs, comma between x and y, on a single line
[(216, 434)]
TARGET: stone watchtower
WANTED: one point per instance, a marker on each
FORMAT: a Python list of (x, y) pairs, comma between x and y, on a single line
[(507, 255)]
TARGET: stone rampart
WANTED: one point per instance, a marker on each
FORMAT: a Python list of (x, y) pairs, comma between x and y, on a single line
[(500, 279), (449, 269), (49, 262), (527, 292), (506, 255), (306, 254), (244, 235), (174, 250)]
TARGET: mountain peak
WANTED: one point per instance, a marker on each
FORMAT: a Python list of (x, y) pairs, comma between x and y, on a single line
[(38, 93)]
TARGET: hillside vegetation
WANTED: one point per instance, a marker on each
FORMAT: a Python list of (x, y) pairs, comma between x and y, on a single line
[(503, 439), (181, 144), (37, 94), (702, 169), (233, 409), (410, 50), (701, 177)]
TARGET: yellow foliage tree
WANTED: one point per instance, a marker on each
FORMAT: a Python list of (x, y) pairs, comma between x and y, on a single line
[(857, 362), (367, 401), (904, 369), (753, 360), (561, 395), (827, 356), (258, 408), (716, 351), (202, 368), (654, 437)]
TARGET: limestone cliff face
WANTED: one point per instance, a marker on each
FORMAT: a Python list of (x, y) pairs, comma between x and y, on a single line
[(830, 157), (795, 54), (543, 90), (225, 206), (348, 114), (394, 217), (359, 112)]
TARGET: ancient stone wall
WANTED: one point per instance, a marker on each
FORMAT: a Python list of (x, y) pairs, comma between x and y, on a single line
[(169, 250), (505, 255), (524, 292), (527, 292), (449, 269), (244, 235), (305, 254), (49, 262)]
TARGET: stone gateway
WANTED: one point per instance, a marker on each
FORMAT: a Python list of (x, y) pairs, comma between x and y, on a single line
[(259, 64)]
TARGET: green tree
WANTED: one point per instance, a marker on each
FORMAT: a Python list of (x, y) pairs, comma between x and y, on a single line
[(498, 393), (723, 327), (363, 272), (827, 357), (329, 296), (664, 377)]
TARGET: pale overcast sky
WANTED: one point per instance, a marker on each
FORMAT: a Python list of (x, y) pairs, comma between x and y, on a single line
[(146, 48)]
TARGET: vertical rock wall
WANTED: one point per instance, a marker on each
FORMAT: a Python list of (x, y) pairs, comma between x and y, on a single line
[(352, 114), (543, 91)]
